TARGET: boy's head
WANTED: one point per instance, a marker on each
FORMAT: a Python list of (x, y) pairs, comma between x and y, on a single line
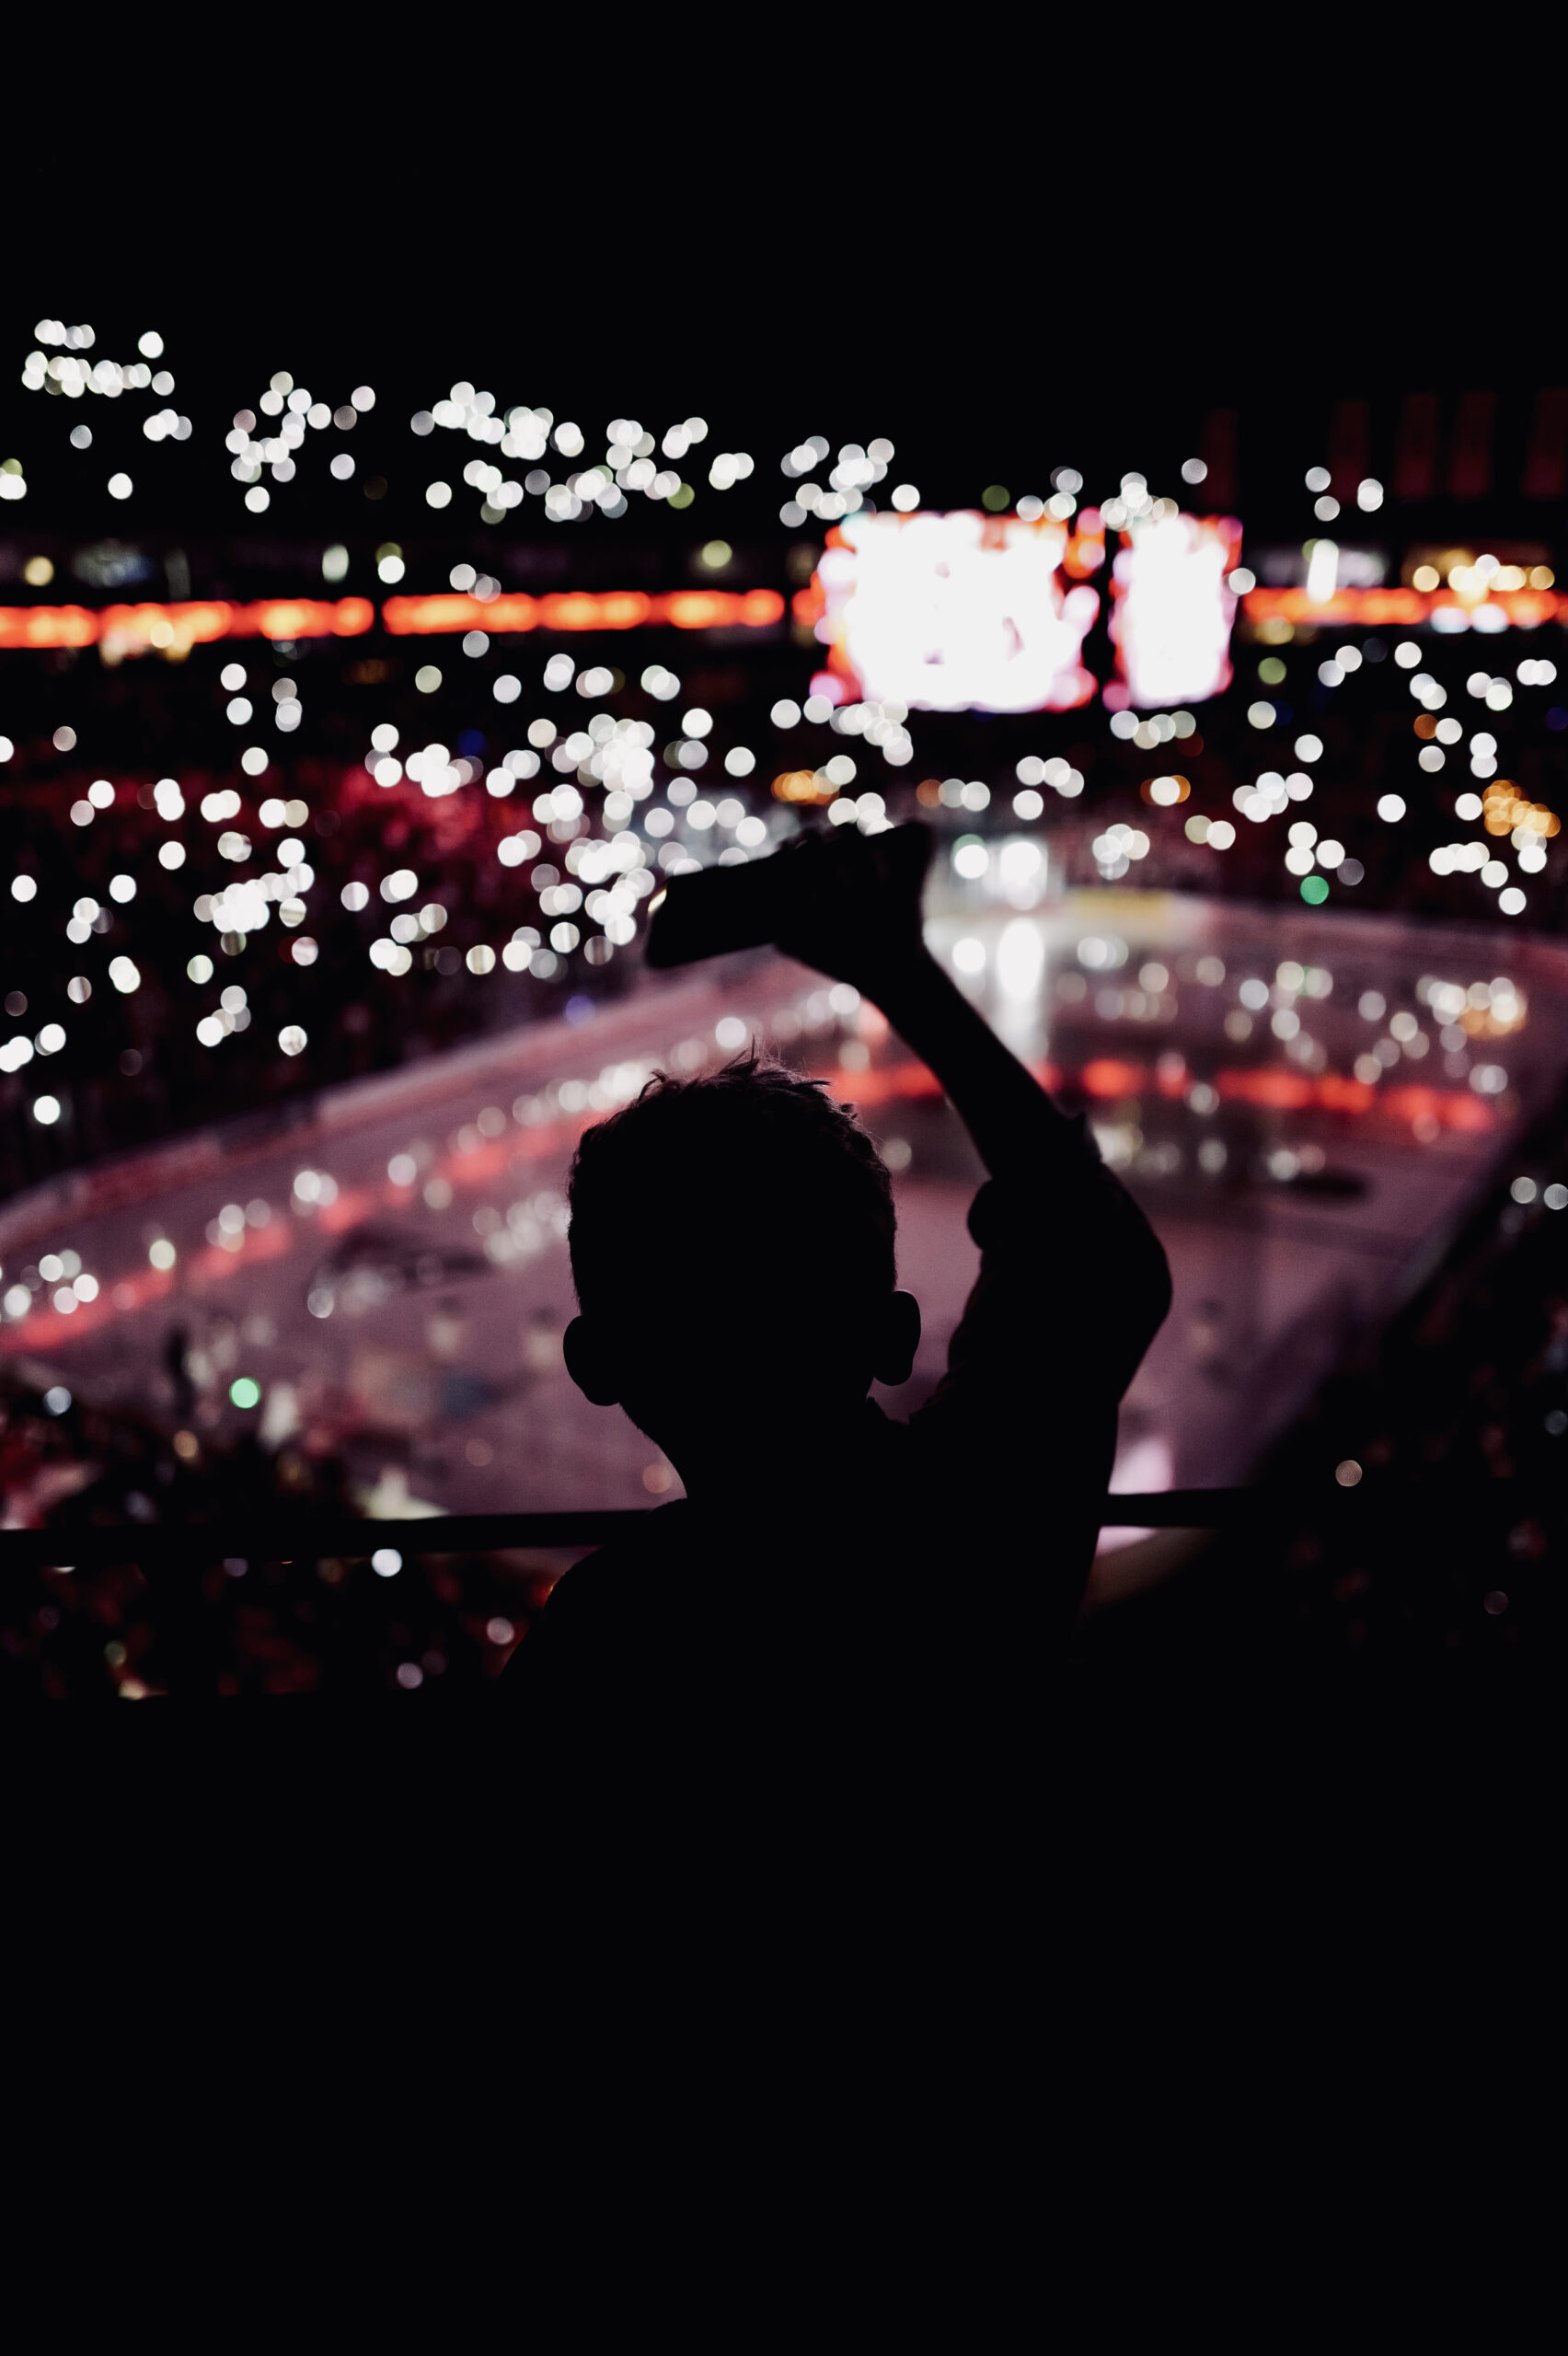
[(769, 1212)]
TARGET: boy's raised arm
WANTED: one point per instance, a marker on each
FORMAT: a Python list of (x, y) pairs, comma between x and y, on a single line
[(1073, 1276), (860, 921)]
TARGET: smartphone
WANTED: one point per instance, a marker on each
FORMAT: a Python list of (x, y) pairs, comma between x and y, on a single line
[(719, 909), (724, 909)]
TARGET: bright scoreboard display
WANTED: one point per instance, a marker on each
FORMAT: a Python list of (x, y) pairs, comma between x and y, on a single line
[(968, 612)]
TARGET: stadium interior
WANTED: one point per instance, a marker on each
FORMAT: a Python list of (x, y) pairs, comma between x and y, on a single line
[(349, 724)]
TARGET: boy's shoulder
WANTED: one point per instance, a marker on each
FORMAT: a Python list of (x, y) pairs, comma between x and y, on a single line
[(604, 1617), (630, 1570)]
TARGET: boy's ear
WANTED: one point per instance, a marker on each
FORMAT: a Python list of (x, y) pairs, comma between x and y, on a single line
[(897, 1339), (590, 1362)]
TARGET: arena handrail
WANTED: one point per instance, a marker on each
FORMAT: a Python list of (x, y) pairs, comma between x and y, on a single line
[(91, 1545)]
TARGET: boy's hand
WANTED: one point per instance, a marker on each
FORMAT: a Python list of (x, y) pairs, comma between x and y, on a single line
[(854, 903)]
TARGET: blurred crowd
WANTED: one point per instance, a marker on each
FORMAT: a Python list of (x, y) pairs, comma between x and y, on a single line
[(232, 1625), (129, 1014), (1460, 1421)]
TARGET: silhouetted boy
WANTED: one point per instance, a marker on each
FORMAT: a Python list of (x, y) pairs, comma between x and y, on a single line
[(833, 1578)]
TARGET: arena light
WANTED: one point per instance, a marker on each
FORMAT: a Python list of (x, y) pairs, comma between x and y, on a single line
[(1160, 620), (583, 610), (122, 630), (175, 628), (1441, 609)]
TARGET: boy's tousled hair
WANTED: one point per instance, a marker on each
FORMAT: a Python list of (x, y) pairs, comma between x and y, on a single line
[(759, 1140)]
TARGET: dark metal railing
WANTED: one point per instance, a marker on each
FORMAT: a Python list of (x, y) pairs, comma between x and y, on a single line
[(89, 1546)]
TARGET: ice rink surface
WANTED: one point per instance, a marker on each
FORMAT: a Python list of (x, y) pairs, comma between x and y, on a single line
[(1307, 1106)]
